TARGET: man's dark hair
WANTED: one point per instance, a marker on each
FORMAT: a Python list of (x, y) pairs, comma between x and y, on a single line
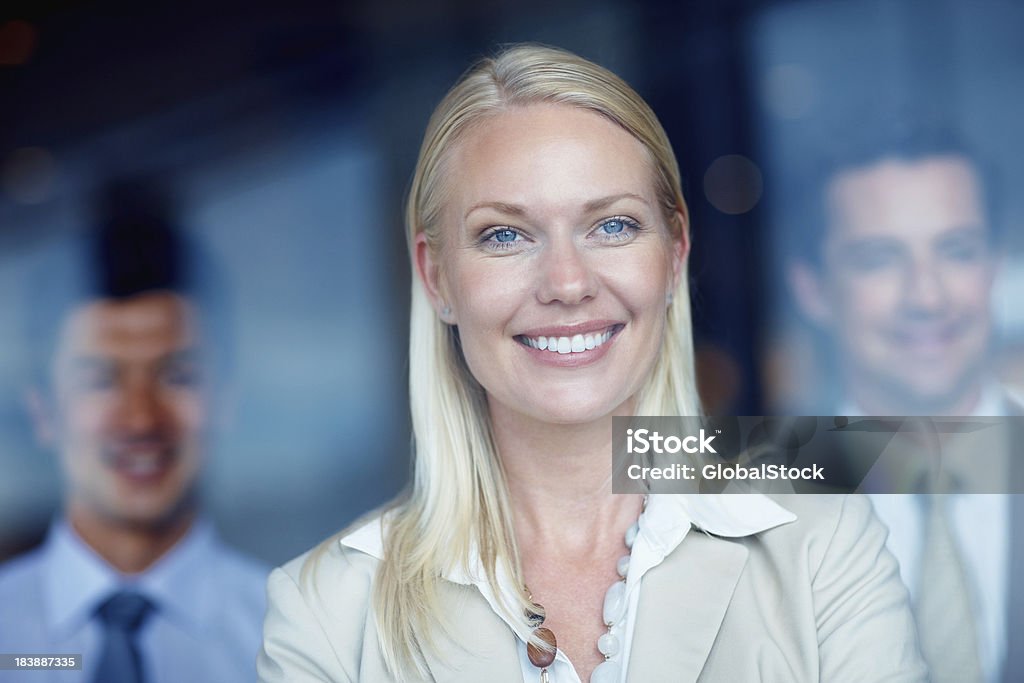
[(805, 235), (132, 247)]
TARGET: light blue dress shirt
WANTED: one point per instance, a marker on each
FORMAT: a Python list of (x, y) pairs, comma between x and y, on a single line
[(206, 626)]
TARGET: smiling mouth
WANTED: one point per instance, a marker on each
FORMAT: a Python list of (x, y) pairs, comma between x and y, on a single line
[(934, 338), (577, 343), (140, 463)]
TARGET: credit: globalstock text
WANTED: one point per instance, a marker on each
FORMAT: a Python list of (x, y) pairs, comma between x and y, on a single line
[(721, 471)]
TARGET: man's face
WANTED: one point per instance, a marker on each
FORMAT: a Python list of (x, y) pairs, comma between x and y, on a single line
[(907, 276), (128, 409)]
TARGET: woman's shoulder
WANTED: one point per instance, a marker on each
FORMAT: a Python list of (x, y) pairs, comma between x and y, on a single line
[(342, 565), (821, 515), (817, 512), (784, 515), (810, 573), (319, 610), (800, 531), (824, 525)]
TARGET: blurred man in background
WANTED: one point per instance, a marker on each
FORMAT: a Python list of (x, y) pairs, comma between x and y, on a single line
[(900, 279), (131, 576)]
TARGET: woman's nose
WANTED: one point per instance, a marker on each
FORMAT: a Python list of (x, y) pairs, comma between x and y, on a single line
[(566, 276)]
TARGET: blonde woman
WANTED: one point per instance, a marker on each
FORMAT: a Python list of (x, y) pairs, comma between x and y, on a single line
[(549, 239)]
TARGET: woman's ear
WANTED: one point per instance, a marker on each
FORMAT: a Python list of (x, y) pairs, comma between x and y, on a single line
[(680, 247), (429, 272)]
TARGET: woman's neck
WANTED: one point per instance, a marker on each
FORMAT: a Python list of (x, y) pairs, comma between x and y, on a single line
[(559, 479)]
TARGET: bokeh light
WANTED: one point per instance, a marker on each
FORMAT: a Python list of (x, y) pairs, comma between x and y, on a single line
[(27, 175), (789, 91), (733, 184), (17, 42)]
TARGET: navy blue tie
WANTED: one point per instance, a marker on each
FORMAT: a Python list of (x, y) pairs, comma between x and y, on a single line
[(122, 615)]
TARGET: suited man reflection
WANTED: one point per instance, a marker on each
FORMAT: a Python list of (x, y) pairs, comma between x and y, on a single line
[(900, 279), (131, 576)]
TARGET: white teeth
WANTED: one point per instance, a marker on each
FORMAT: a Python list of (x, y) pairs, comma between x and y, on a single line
[(141, 465), (565, 345)]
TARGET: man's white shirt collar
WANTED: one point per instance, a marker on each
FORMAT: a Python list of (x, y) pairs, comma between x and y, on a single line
[(991, 403), (78, 580)]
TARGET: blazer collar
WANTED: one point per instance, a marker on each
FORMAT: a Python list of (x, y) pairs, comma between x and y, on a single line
[(478, 646), (681, 608), (728, 515), (732, 515)]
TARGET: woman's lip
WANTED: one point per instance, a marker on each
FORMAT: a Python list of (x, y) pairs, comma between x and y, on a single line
[(571, 330), (573, 359)]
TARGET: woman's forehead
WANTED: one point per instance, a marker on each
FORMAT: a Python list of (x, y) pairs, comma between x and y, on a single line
[(547, 154)]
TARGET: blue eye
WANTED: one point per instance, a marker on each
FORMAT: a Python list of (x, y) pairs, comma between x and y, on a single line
[(613, 227), (503, 239), (617, 229)]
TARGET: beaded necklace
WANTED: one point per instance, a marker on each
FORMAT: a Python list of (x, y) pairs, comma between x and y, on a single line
[(614, 609)]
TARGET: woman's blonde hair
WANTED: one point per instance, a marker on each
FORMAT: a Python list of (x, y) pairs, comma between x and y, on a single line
[(457, 505)]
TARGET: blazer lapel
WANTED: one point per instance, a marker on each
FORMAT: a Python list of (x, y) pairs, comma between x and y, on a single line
[(682, 604), (479, 647)]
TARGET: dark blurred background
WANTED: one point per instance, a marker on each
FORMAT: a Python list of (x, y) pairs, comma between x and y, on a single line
[(286, 134)]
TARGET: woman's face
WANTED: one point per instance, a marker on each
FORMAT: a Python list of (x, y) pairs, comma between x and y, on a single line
[(556, 262)]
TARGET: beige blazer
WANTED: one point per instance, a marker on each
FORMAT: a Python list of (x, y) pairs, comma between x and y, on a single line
[(818, 599)]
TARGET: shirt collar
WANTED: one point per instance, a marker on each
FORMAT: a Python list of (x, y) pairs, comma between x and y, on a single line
[(78, 580), (994, 401), (181, 583), (729, 515), (664, 524), (75, 582), (369, 539)]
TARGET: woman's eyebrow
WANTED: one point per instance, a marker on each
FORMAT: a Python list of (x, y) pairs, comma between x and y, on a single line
[(604, 202), (501, 207), (592, 205)]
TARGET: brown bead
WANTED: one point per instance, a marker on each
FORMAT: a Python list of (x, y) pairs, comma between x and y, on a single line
[(538, 657)]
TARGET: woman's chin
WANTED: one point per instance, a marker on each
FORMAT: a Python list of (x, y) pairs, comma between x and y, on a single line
[(570, 412)]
